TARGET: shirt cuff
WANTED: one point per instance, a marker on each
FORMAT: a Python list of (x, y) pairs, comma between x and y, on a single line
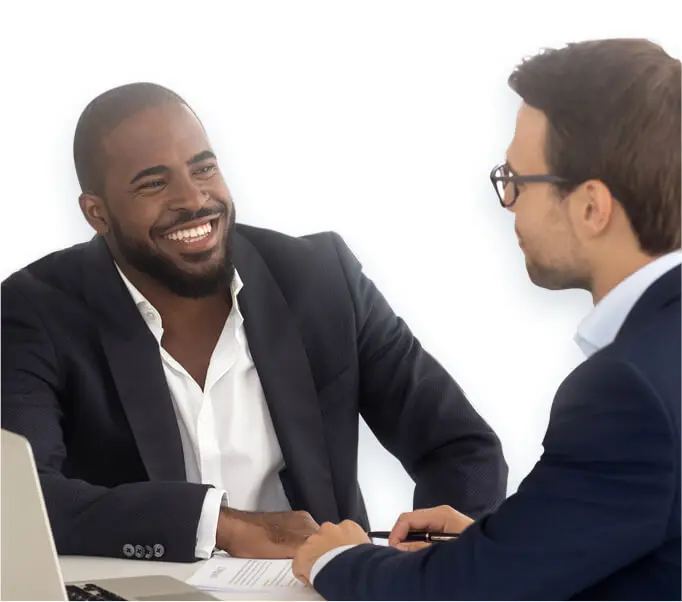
[(208, 523), (325, 559)]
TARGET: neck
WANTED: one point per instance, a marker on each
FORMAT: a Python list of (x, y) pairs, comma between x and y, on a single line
[(616, 268), (173, 307)]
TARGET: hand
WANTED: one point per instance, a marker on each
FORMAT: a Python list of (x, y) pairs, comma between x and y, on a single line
[(263, 534), (329, 536), (442, 519)]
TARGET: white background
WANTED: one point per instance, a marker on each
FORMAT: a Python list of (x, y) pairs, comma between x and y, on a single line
[(379, 120)]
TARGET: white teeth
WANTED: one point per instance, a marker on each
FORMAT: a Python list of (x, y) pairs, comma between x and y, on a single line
[(191, 234)]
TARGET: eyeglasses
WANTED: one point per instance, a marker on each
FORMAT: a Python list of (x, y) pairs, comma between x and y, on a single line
[(501, 176)]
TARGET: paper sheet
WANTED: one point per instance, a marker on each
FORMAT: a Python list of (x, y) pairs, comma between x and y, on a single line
[(223, 573)]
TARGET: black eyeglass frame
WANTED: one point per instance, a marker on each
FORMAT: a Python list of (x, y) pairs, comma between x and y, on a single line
[(518, 179)]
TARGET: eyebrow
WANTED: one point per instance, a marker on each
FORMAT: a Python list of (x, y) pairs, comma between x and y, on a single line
[(157, 170), (202, 156), (150, 171)]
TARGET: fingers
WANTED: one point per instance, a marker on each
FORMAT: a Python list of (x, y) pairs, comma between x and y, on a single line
[(308, 553), (442, 519), (412, 546), (328, 537), (306, 519), (352, 529), (328, 527), (300, 566), (429, 519), (400, 529)]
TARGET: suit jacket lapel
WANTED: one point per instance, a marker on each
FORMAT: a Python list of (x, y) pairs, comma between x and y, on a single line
[(135, 362), (284, 371)]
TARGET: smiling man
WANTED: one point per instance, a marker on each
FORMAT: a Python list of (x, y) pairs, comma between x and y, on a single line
[(188, 383)]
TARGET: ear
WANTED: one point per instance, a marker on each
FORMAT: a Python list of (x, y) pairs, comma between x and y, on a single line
[(593, 211), (95, 212)]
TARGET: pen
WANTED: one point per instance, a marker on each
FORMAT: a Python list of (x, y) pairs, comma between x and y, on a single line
[(417, 536)]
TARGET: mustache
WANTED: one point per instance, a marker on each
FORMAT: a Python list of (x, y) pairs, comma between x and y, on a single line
[(183, 216)]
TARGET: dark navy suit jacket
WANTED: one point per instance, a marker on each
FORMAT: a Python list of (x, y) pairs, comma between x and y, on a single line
[(82, 379), (599, 515)]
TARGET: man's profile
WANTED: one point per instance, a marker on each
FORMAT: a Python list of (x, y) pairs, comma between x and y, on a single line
[(592, 177)]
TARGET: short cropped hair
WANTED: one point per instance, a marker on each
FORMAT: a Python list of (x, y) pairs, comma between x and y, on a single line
[(101, 116)]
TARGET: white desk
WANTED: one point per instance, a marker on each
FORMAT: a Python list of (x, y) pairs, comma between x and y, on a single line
[(89, 568), (82, 568)]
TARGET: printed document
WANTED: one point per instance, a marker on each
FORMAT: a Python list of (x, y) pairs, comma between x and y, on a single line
[(227, 574)]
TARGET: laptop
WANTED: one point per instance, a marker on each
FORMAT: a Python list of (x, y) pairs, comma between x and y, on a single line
[(30, 566)]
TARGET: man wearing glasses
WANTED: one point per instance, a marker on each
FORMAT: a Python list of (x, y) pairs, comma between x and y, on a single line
[(593, 179)]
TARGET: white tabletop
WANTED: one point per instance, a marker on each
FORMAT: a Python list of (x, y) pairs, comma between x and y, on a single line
[(89, 568), (84, 568)]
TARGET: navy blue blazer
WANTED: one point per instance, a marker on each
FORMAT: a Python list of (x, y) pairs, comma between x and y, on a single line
[(597, 518)]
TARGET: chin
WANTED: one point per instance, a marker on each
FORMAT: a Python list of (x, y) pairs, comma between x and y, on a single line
[(201, 260), (554, 279), (541, 276)]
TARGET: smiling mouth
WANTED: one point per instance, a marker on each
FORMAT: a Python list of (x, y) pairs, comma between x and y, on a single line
[(193, 235)]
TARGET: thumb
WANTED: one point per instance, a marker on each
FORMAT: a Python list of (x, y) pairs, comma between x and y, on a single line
[(298, 567), (412, 546)]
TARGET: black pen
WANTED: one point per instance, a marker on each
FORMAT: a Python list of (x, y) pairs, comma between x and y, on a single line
[(425, 536)]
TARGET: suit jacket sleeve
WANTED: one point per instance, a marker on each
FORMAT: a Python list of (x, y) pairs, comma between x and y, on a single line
[(417, 411), (85, 519), (599, 499)]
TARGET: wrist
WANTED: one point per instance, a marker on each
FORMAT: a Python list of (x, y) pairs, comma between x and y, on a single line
[(230, 525), (223, 529)]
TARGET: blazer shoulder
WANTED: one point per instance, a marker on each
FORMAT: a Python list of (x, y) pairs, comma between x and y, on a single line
[(317, 254), (270, 242), (601, 379), (652, 340), (59, 272), (608, 403)]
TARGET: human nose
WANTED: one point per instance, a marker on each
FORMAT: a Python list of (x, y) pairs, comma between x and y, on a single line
[(188, 195)]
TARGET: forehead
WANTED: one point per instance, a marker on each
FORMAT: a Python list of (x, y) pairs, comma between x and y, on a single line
[(526, 153), (162, 135)]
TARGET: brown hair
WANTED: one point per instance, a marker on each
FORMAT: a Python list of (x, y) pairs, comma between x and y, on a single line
[(613, 108)]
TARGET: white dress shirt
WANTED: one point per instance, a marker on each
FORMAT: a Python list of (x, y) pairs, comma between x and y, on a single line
[(226, 431), (600, 327), (596, 331)]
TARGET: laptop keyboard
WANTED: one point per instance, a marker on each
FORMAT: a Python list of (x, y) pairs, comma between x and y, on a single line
[(90, 591)]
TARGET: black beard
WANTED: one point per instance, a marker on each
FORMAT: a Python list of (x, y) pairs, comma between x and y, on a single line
[(157, 266)]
